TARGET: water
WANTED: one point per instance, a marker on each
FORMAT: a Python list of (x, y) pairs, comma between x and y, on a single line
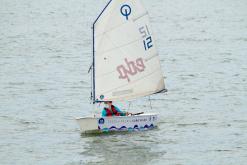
[(45, 52)]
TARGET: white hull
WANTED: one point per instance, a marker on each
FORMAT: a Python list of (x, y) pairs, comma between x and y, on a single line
[(117, 123)]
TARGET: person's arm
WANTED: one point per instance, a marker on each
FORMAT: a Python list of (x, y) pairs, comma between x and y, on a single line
[(103, 113), (121, 112)]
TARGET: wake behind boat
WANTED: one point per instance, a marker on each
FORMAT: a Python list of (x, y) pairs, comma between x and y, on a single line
[(125, 65)]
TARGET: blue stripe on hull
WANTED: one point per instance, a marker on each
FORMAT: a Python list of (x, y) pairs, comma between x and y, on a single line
[(124, 128)]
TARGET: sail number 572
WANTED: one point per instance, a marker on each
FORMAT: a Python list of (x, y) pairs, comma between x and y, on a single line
[(147, 38)]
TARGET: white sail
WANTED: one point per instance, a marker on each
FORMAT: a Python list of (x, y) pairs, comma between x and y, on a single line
[(126, 62)]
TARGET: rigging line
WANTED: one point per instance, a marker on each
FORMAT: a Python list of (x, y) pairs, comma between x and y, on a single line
[(129, 106), (150, 104), (90, 68), (102, 12)]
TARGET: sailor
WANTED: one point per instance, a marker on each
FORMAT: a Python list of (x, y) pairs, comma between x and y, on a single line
[(112, 110)]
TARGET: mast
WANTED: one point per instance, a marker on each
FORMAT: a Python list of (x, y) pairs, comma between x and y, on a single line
[(93, 80), (93, 74)]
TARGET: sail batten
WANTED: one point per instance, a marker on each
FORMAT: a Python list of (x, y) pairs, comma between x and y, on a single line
[(126, 63)]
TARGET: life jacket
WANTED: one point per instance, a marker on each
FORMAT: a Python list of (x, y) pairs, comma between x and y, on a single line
[(112, 112)]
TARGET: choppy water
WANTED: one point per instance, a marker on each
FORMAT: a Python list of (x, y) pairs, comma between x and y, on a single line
[(45, 52)]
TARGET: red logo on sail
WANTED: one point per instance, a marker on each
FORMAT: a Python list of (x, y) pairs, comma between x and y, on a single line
[(133, 67)]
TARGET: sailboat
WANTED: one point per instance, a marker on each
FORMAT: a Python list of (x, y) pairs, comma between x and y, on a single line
[(125, 65)]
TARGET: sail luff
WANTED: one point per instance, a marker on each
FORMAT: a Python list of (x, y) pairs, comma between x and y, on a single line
[(94, 100)]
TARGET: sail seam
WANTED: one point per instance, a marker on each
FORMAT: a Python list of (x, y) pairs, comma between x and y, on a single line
[(133, 82), (108, 73), (118, 47), (138, 17)]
